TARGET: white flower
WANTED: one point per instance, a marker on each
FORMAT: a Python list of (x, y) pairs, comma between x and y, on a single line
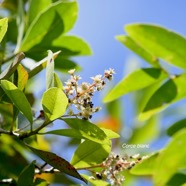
[(71, 72), (97, 79)]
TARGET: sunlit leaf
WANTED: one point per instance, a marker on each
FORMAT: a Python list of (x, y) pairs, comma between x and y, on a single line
[(90, 153), (36, 7), (160, 42), (3, 27), (96, 182), (72, 45), (58, 163), (57, 81), (135, 47), (181, 124), (136, 80), (170, 159), (170, 92), (77, 134), (21, 76), (50, 70), (27, 175), (54, 103), (146, 167), (88, 130), (110, 134), (55, 20), (18, 98)]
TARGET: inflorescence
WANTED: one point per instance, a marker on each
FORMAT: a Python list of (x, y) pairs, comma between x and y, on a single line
[(113, 167), (80, 94)]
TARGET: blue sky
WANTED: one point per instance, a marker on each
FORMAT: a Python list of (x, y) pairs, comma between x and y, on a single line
[(99, 21)]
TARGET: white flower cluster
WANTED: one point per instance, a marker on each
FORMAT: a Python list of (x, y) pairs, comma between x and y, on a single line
[(80, 94), (114, 165)]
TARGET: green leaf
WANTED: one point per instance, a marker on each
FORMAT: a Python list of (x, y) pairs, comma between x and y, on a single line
[(18, 98), (13, 66), (3, 27), (136, 80), (21, 77), (57, 81), (54, 103), (50, 70), (110, 134), (96, 182), (55, 20), (170, 92), (71, 45), (90, 153), (58, 163), (27, 175), (73, 133), (171, 159), (160, 42), (136, 48), (41, 65), (36, 7), (88, 130), (181, 124), (177, 179), (146, 167)]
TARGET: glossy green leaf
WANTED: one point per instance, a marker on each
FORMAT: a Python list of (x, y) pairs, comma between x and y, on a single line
[(3, 27), (18, 98), (170, 92), (73, 133), (88, 130), (110, 134), (58, 163), (136, 48), (36, 7), (21, 77), (12, 67), (181, 124), (160, 42), (50, 70), (57, 81), (171, 159), (54, 103), (136, 80), (71, 45), (90, 153), (27, 175), (95, 182), (40, 65), (55, 20), (146, 167)]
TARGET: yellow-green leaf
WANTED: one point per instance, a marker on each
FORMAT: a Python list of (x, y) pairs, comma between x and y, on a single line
[(136, 80), (160, 42)]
